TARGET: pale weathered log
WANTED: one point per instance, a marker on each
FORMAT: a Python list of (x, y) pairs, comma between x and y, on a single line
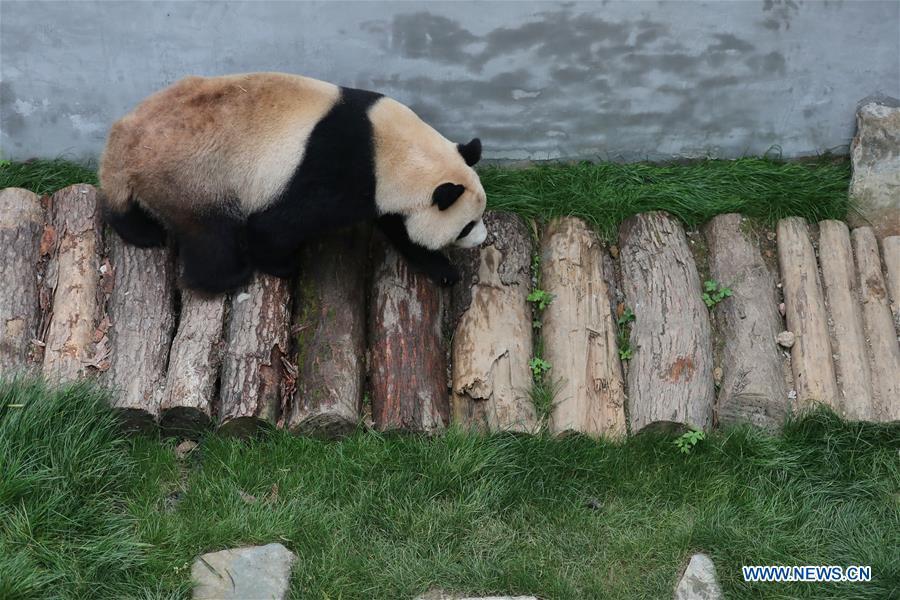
[(21, 227), (408, 360), (492, 329), (330, 334), (885, 351), (141, 316), (849, 340), (186, 407), (811, 360), (579, 333), (670, 376), (752, 389), (256, 340), (73, 277), (890, 250)]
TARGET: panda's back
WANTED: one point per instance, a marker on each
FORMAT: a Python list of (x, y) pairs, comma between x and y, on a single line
[(207, 138)]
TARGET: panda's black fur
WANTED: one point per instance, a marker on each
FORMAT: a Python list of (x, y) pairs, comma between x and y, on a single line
[(333, 186)]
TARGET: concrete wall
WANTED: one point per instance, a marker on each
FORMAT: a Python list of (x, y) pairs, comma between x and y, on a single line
[(616, 80)]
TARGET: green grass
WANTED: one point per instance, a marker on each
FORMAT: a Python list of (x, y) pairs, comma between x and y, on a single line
[(86, 513), (605, 194), (45, 176)]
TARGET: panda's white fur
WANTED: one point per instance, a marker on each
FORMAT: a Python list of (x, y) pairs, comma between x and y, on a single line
[(204, 155)]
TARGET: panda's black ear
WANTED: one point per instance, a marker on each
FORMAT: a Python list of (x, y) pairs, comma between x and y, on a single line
[(446, 194), (470, 152)]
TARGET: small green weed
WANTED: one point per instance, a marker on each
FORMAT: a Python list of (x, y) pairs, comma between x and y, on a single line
[(624, 337), (539, 367), (540, 298), (714, 292), (688, 440)]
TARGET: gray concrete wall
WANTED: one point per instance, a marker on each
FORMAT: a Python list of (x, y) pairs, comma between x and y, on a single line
[(615, 80)]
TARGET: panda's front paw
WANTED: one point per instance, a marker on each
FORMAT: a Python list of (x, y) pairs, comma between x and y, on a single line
[(442, 272)]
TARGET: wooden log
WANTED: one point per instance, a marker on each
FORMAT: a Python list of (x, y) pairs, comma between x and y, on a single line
[(848, 336), (141, 312), (72, 280), (811, 360), (752, 389), (256, 340), (21, 228), (890, 250), (186, 407), (407, 357), (670, 376), (330, 334), (885, 351), (579, 333), (492, 330)]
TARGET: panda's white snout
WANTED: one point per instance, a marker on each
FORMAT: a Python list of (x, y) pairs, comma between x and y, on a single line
[(475, 237)]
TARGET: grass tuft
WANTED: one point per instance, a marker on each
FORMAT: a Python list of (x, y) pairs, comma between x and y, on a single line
[(45, 176)]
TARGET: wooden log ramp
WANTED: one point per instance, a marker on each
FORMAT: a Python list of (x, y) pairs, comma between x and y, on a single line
[(407, 369), (72, 283), (753, 388), (330, 335), (579, 333), (141, 315), (21, 229), (879, 325), (491, 327), (670, 376), (851, 359), (811, 354), (891, 252)]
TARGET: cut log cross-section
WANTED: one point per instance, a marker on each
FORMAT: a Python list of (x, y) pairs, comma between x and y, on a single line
[(753, 388), (579, 333), (849, 340), (492, 340), (142, 321), (73, 277), (811, 360), (21, 226), (194, 361), (891, 251), (408, 364), (885, 351), (256, 339), (330, 335), (670, 377)]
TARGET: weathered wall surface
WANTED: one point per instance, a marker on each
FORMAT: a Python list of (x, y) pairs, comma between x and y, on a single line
[(615, 80)]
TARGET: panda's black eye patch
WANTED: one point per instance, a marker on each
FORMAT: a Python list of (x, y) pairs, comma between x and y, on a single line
[(465, 230), (446, 194)]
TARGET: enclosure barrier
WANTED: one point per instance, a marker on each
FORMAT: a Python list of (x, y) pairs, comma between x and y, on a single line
[(360, 340)]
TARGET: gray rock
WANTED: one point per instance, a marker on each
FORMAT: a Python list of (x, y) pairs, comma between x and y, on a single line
[(251, 573), (875, 186), (785, 339), (699, 581)]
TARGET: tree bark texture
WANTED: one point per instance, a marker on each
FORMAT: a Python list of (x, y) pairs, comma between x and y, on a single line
[(72, 280), (891, 251), (492, 330), (408, 361), (670, 378), (256, 340), (753, 389), (21, 228), (579, 333), (330, 334), (811, 354), (141, 312), (848, 334)]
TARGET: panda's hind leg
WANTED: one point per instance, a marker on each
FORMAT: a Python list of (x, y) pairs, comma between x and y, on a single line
[(136, 226), (213, 254)]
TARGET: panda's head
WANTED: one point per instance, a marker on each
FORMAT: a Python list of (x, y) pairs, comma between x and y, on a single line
[(427, 179), (453, 217)]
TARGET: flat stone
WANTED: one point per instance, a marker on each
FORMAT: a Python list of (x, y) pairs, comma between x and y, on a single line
[(875, 185), (699, 581), (253, 572), (785, 339)]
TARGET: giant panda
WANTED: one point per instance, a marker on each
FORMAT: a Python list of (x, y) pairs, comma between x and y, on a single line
[(241, 169)]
